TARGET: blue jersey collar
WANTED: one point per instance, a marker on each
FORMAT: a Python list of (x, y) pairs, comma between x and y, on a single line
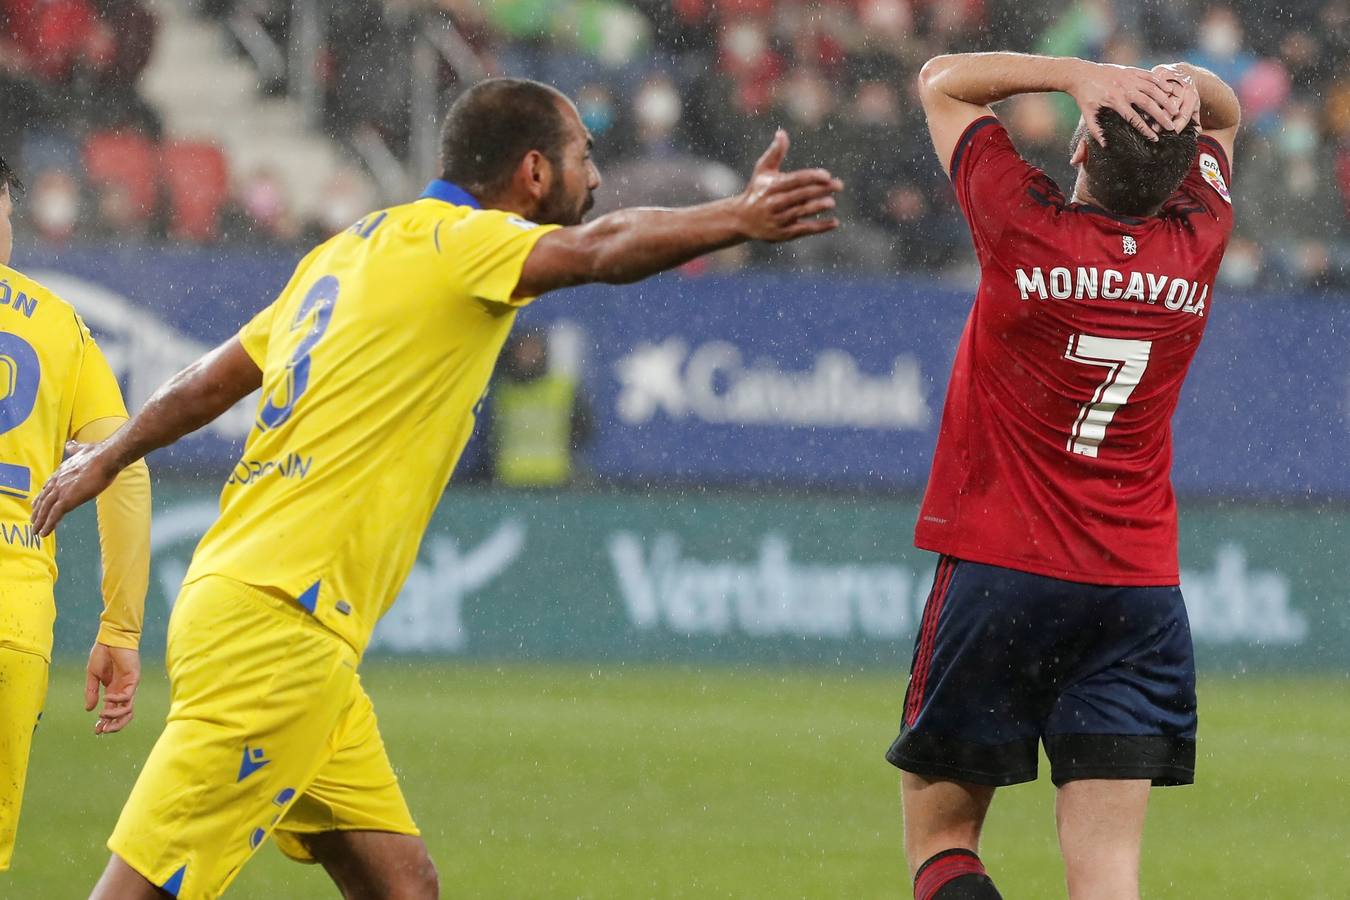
[(450, 193)]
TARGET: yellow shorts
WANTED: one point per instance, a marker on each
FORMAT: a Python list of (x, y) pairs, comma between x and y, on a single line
[(269, 732), (23, 687)]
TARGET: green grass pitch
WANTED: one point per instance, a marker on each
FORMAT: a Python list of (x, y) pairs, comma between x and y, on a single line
[(627, 782)]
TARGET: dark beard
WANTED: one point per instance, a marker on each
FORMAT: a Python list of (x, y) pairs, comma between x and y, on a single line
[(558, 208)]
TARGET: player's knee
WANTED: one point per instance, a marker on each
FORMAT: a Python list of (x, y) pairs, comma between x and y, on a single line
[(431, 880), (423, 881)]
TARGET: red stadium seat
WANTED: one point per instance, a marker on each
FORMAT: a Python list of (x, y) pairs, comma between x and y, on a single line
[(198, 181), (126, 160)]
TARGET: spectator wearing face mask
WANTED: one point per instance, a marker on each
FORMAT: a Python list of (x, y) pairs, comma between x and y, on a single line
[(807, 106), (54, 205), (265, 207), (660, 171), (1244, 264), (858, 138), (656, 112), (1299, 216), (750, 65), (1219, 45), (601, 115), (346, 197)]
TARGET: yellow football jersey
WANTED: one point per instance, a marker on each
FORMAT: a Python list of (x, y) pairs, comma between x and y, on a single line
[(54, 380), (374, 359)]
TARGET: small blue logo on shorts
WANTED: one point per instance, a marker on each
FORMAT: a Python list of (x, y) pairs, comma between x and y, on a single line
[(252, 762), (175, 882)]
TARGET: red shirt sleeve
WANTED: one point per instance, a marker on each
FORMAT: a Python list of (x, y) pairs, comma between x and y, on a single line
[(991, 180), (1206, 184)]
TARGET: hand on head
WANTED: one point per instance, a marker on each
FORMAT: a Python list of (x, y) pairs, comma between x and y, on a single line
[(781, 206), (1135, 94), (1182, 88)]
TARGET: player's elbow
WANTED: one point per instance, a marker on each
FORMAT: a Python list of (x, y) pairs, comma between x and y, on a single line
[(1234, 105), (930, 76)]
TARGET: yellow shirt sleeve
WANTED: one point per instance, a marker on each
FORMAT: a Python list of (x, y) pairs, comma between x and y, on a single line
[(255, 333), (124, 543), (489, 251), (97, 395), (253, 336)]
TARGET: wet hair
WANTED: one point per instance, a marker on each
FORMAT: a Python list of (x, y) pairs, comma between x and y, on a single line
[(10, 181), (493, 125), (1133, 175)]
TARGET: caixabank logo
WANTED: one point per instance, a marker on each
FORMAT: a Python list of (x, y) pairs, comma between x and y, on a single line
[(713, 382)]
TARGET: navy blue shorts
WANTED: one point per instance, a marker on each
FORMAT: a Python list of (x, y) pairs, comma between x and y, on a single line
[(1105, 676)]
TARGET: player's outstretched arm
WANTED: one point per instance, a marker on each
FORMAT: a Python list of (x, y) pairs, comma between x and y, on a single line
[(956, 89), (186, 402), (632, 244)]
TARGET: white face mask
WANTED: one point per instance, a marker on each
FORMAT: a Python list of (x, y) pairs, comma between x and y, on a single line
[(340, 210), (746, 42), (56, 209), (658, 107), (891, 17), (1240, 269), (807, 106), (1301, 178), (1221, 40)]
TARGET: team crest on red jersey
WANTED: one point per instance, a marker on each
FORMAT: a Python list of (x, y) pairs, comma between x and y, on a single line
[(1128, 245)]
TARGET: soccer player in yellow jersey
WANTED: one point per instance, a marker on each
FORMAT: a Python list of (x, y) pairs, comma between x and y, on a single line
[(372, 362), (55, 385)]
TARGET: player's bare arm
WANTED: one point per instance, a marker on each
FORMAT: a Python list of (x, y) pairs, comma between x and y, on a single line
[(192, 398), (632, 244), (1207, 98), (956, 89)]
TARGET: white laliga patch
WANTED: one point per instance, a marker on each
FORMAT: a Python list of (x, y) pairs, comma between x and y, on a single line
[(1209, 170), (523, 224), (1128, 245)]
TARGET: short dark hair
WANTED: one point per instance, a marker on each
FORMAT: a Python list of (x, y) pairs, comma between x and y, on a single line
[(10, 181), (493, 125), (1133, 175)]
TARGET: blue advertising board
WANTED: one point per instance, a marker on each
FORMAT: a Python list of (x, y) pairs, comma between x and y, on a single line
[(814, 381)]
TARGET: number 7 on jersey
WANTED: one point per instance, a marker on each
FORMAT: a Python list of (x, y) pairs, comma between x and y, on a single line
[(1125, 362)]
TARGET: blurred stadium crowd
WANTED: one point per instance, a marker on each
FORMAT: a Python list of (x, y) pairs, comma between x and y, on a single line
[(681, 95)]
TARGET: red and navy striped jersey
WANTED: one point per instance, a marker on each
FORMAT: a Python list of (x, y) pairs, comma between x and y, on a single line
[(1055, 450)]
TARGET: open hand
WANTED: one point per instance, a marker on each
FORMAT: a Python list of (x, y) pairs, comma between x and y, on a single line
[(778, 206), (118, 671), (81, 477), (1128, 91)]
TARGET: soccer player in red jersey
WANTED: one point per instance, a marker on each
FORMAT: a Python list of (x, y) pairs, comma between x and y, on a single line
[(1055, 614)]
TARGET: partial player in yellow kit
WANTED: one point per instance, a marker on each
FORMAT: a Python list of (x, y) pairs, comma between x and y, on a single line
[(56, 386), (371, 362)]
